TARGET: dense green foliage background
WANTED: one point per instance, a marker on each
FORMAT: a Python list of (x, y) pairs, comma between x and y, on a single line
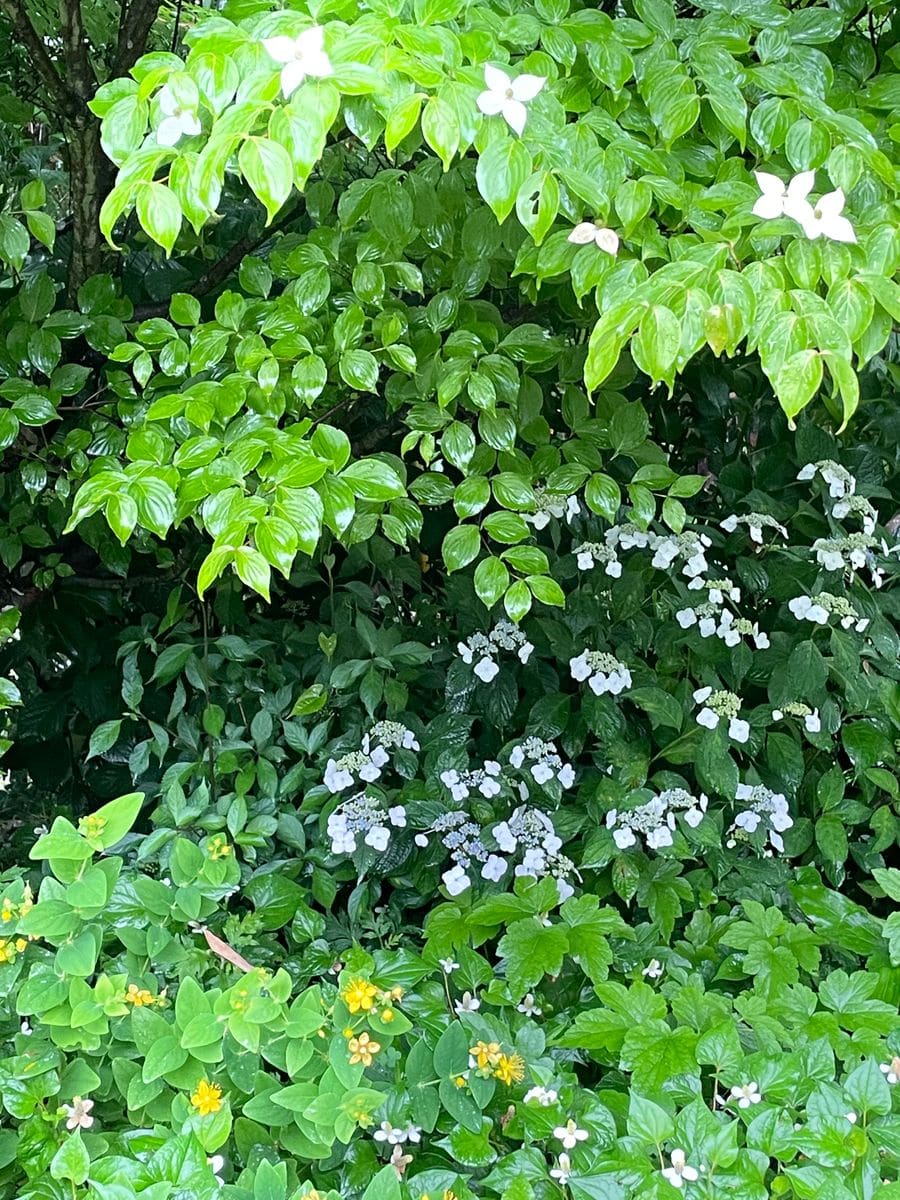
[(449, 529)]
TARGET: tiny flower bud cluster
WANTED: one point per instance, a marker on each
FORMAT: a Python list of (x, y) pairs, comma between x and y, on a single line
[(482, 649), (655, 820), (763, 807), (543, 762), (363, 815), (603, 672), (389, 735)]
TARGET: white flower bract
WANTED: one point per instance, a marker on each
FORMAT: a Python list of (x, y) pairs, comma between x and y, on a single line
[(302, 56), (508, 97)]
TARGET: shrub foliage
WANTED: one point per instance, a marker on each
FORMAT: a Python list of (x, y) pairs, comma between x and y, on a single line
[(451, 659)]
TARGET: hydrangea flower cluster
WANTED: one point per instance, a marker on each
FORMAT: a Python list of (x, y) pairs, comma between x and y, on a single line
[(822, 605), (688, 547), (627, 537), (655, 820), (721, 706), (485, 779), (551, 504), (756, 523), (603, 672), (839, 480), (762, 807), (532, 833), (809, 716), (483, 649), (850, 554), (463, 838), (363, 815), (596, 554), (543, 762), (365, 765)]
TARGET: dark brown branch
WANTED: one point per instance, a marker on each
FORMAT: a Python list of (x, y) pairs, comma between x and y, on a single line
[(222, 267), (133, 33)]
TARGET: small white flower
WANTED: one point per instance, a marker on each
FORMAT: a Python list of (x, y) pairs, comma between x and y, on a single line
[(891, 1070), (78, 1113), (217, 1164), (387, 1133), (805, 608), (467, 1004), (779, 199), (413, 1133), (494, 868), (543, 1096), (590, 231), (397, 816), (177, 120), (562, 1170), (486, 669), (679, 1173), (624, 837), (456, 881), (448, 965), (824, 219), (301, 56), (570, 1135), (529, 1006), (26, 1028), (508, 97), (813, 722), (378, 838), (653, 969), (851, 1117), (746, 1094), (738, 729)]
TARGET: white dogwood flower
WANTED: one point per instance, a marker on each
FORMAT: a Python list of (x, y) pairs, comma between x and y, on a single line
[(590, 231), (178, 119), (824, 219), (783, 200), (508, 97), (303, 55)]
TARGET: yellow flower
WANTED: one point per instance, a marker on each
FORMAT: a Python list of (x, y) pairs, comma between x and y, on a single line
[(387, 1015), (7, 950), (92, 826), (485, 1055), (359, 994), (138, 996), (461, 1081), (510, 1069), (207, 1098), (217, 847), (28, 901), (397, 993), (8, 911), (21, 944), (362, 1049), (448, 1195)]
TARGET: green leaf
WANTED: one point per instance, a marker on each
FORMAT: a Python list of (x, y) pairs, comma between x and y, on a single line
[(603, 496), (373, 479), (797, 380), (531, 950), (461, 546), (546, 590), (159, 213), (359, 369), (502, 169), (71, 1161), (491, 580), (267, 167)]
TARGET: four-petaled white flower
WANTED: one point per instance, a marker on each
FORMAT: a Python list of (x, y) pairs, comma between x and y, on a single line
[(508, 97), (79, 1113), (891, 1070), (217, 1164), (653, 969), (178, 119), (746, 1094), (303, 55), (570, 1135), (448, 965), (783, 200), (562, 1170), (529, 1006), (590, 231), (824, 219), (679, 1173)]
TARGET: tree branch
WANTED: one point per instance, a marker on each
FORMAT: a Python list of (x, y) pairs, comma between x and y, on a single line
[(222, 267), (133, 33), (15, 12)]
